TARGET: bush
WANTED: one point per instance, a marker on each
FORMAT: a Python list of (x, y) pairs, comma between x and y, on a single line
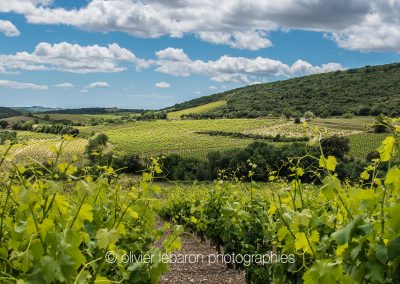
[(348, 115), (309, 115), (129, 164), (7, 135), (336, 146), (4, 124), (176, 167), (94, 149), (379, 125)]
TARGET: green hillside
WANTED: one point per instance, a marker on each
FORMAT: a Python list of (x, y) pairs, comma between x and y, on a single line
[(6, 112), (363, 91)]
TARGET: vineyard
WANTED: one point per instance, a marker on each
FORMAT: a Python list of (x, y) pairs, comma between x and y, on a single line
[(180, 137), (176, 135), (164, 137), (60, 225), (40, 150), (362, 144)]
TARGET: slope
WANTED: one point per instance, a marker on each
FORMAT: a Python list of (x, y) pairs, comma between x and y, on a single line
[(6, 112), (363, 91)]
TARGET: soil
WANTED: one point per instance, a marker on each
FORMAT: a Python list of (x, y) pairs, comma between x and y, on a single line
[(200, 269)]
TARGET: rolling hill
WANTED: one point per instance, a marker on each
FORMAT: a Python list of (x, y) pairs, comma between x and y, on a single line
[(6, 112), (371, 90), (94, 110)]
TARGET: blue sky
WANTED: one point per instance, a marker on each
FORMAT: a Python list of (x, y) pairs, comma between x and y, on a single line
[(152, 54)]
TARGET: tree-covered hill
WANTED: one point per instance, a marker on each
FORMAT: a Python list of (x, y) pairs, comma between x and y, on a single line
[(6, 112), (370, 90)]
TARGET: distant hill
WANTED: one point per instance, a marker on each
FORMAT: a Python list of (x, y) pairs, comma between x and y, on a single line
[(370, 90), (95, 111), (35, 109), (6, 112)]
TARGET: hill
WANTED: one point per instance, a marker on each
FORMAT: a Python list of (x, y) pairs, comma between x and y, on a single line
[(370, 90), (35, 109), (6, 112), (95, 111), (198, 109)]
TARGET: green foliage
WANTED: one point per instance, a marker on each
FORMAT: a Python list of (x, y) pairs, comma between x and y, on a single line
[(61, 129), (4, 124), (336, 232), (336, 93), (8, 112), (276, 138), (56, 226), (335, 146), (7, 135)]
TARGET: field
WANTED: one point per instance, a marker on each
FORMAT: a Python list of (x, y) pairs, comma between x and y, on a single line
[(95, 212), (198, 109), (42, 149), (177, 136), (364, 143), (152, 138)]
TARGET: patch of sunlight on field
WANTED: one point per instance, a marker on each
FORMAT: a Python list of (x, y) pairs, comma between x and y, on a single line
[(39, 150), (199, 109)]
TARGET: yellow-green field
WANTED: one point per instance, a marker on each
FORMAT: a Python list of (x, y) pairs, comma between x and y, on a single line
[(362, 144), (178, 136), (151, 138), (82, 117), (41, 150), (199, 109)]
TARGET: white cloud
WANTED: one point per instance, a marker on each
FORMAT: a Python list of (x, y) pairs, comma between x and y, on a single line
[(162, 85), (97, 85), (234, 69), (8, 28), (212, 87), (252, 40), (84, 91), (353, 24), (64, 85), (21, 86), (71, 58)]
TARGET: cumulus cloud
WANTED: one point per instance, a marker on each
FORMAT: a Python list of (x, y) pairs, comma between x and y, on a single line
[(8, 28), (73, 58), (234, 69), (97, 85), (162, 85), (65, 85), (353, 24), (21, 86)]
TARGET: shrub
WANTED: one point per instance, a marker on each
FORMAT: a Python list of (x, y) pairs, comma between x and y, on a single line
[(7, 135), (4, 124), (336, 146)]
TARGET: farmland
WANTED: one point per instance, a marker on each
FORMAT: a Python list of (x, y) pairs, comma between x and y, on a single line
[(152, 138)]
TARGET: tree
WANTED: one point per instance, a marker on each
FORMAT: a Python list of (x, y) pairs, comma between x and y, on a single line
[(380, 125), (4, 124), (308, 115), (336, 146)]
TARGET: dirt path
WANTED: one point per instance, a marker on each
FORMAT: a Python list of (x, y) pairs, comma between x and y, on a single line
[(201, 271)]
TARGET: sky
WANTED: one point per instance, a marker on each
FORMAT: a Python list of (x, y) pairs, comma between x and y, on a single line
[(154, 53)]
